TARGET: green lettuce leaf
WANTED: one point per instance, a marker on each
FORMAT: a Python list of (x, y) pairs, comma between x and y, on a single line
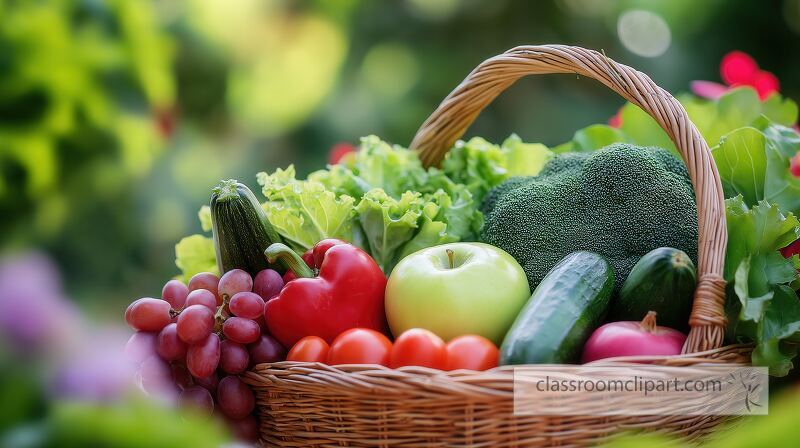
[(459, 212), (388, 223), (761, 307), (525, 159), (478, 164), (593, 137), (305, 212), (205, 218), (754, 162), (481, 165), (195, 254), (431, 233), (395, 228), (392, 168)]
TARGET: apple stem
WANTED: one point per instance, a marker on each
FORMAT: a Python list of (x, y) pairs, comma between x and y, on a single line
[(451, 257)]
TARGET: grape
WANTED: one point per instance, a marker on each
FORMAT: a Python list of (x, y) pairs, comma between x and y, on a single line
[(234, 281), (155, 376), (202, 359), (266, 349), (267, 284), (233, 358), (241, 330), (169, 346), (195, 323), (207, 281), (198, 399), (234, 398), (247, 304), (174, 293), (140, 346), (202, 297), (148, 314), (181, 376), (209, 382), (246, 429)]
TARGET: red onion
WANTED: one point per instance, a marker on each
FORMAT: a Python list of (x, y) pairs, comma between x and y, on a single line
[(633, 339)]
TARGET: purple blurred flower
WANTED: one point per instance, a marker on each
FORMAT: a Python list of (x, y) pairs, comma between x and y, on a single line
[(95, 369), (34, 314)]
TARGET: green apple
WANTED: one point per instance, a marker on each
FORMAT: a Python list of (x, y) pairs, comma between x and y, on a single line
[(457, 289)]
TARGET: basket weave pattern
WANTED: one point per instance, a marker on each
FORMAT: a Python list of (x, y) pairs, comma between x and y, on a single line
[(308, 404)]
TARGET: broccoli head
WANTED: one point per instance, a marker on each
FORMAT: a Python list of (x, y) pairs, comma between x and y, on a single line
[(621, 201)]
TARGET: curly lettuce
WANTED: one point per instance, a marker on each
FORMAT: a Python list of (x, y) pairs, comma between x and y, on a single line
[(761, 305), (392, 224), (481, 165), (304, 212)]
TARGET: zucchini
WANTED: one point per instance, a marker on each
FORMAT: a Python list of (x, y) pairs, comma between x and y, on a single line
[(663, 281), (569, 303), (241, 229)]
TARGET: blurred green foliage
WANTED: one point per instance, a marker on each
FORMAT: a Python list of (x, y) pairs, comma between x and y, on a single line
[(118, 116), (134, 422), (82, 85), (778, 429)]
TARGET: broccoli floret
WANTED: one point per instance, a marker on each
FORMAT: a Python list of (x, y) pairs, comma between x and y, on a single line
[(621, 201)]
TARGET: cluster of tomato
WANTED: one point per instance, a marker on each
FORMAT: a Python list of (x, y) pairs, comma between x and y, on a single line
[(414, 347)]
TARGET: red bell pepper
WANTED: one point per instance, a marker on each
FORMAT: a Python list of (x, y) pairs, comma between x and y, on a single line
[(346, 293)]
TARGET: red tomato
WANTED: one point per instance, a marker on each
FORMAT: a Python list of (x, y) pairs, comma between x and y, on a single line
[(360, 346), (471, 352), (418, 347), (309, 349)]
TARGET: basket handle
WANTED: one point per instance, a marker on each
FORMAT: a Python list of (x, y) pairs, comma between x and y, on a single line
[(457, 112)]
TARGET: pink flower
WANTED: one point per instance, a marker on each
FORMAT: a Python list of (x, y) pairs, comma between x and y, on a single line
[(738, 69)]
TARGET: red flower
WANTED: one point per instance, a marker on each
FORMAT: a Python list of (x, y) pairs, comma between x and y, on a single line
[(616, 120), (792, 249), (794, 165), (738, 69), (166, 120), (338, 151)]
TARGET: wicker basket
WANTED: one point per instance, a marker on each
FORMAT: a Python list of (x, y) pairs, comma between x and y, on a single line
[(308, 404)]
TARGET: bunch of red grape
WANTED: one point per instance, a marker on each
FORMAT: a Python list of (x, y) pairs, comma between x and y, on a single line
[(195, 341)]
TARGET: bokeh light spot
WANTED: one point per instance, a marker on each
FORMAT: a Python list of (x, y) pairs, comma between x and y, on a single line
[(434, 9), (390, 70), (644, 33)]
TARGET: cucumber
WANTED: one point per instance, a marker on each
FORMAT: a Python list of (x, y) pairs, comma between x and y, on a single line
[(663, 281), (241, 229), (569, 303)]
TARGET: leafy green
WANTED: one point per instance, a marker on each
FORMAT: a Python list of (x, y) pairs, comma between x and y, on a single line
[(481, 165), (205, 218), (735, 109), (376, 164), (389, 224), (591, 138), (382, 199), (305, 212), (761, 306), (194, 254), (525, 159), (754, 162)]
